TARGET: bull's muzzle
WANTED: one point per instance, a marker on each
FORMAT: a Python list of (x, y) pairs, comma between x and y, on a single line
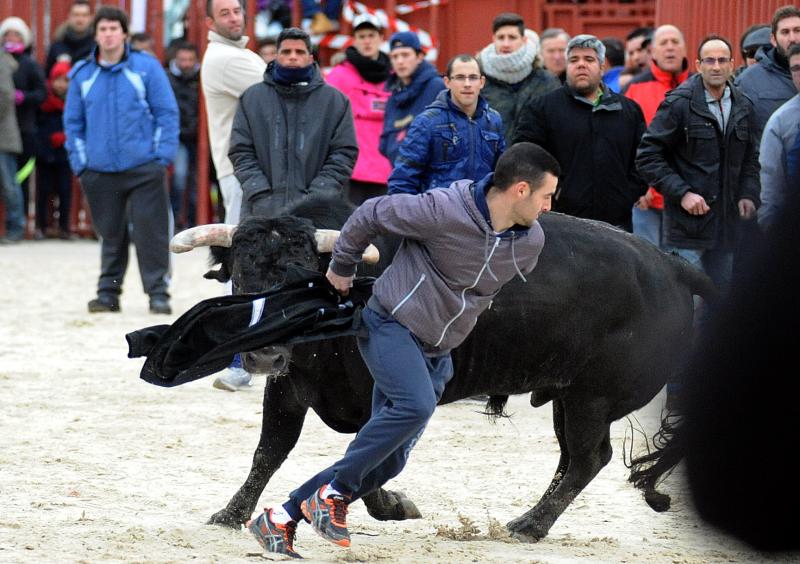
[(221, 235), (272, 361)]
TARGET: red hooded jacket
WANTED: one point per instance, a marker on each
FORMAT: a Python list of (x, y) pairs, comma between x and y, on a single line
[(648, 90)]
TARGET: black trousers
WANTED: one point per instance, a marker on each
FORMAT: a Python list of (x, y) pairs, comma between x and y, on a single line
[(137, 196), (53, 178)]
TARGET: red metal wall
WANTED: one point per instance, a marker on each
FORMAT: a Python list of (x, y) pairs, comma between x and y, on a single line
[(699, 18)]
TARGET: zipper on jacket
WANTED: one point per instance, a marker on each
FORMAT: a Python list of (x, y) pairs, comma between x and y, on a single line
[(464, 292), (411, 293)]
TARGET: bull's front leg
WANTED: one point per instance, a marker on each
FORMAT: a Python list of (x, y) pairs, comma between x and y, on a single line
[(280, 429), (588, 444)]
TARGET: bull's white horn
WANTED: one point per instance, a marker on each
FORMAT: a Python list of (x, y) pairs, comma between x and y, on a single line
[(326, 238), (218, 234)]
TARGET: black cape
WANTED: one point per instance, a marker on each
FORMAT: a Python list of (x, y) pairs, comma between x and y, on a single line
[(205, 339)]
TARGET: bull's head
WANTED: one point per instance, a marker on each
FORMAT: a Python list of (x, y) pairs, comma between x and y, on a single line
[(257, 256)]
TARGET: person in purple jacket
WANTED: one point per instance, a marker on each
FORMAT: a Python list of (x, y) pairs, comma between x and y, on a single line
[(462, 245)]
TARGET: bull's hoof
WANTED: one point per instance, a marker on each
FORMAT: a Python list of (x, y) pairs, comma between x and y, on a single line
[(657, 501), (523, 530), (386, 505), (406, 507), (226, 518)]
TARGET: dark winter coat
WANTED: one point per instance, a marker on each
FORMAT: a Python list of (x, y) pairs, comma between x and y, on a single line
[(509, 100), (50, 135), (684, 149), (596, 148), (69, 46), (187, 93), (29, 78), (767, 84), (288, 142), (444, 145), (406, 103)]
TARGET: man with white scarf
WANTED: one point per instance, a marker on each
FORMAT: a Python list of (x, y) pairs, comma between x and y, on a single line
[(513, 68)]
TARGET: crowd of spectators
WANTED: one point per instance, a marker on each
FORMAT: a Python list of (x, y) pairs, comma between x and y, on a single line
[(656, 137)]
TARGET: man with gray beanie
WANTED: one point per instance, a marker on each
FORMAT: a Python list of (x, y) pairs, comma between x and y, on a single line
[(593, 133)]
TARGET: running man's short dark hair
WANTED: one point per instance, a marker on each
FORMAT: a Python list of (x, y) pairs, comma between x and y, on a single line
[(524, 162)]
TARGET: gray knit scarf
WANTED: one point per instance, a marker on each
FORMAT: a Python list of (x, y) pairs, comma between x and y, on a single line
[(514, 67)]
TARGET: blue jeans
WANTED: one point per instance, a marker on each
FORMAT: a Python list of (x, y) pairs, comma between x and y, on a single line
[(408, 385), (647, 225), (12, 196)]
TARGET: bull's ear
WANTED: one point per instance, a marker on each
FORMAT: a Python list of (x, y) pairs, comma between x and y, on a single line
[(220, 275)]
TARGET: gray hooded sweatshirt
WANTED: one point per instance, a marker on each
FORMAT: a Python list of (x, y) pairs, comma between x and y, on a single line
[(450, 265), (288, 142)]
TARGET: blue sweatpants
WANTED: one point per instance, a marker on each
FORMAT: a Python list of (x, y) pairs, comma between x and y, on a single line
[(408, 385)]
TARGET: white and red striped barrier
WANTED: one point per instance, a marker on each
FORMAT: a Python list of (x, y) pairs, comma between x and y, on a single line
[(351, 9)]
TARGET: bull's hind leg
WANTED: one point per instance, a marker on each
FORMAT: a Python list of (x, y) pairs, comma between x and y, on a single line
[(587, 438), (280, 428)]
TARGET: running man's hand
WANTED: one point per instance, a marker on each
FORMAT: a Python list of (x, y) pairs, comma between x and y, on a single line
[(341, 283)]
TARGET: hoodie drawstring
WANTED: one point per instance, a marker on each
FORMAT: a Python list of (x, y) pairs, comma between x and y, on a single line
[(514, 260)]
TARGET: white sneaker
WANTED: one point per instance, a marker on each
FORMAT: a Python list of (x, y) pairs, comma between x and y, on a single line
[(233, 379)]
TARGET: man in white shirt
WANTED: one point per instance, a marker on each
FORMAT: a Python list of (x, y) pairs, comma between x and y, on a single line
[(229, 68)]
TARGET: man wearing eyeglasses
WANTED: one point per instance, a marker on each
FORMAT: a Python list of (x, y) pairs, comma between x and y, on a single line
[(458, 136), (701, 153), (776, 143)]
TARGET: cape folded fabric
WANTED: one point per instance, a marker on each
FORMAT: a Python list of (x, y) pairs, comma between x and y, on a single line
[(204, 340)]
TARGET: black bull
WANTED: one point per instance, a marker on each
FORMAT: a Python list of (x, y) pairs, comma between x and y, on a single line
[(597, 329)]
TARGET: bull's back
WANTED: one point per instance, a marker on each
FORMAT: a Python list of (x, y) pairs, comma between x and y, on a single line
[(602, 313)]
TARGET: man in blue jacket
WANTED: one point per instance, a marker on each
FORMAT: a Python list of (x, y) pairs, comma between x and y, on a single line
[(121, 122), (458, 136), (414, 83)]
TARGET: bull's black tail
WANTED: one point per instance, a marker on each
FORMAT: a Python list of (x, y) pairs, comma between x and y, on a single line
[(698, 281), (648, 470)]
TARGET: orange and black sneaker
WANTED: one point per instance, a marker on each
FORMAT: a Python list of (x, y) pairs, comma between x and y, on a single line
[(328, 516), (275, 538)]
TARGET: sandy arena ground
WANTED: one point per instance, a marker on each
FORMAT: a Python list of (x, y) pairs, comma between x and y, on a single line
[(98, 466)]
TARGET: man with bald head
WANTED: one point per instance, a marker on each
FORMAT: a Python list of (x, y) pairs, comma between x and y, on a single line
[(667, 69), (701, 153)]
